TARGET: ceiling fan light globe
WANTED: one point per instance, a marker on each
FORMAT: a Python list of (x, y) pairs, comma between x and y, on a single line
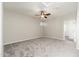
[(42, 16)]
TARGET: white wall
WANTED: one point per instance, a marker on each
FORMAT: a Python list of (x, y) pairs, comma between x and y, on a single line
[(18, 27), (55, 28), (1, 40), (77, 28)]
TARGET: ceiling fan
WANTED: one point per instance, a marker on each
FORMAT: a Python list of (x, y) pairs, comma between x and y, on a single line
[(44, 14)]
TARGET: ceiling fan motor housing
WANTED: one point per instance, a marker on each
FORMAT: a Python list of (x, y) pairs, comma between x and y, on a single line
[(45, 14)]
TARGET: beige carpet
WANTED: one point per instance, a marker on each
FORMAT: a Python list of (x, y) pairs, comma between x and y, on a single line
[(42, 47)]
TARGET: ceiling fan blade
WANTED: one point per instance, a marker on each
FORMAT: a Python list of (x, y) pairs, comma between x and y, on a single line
[(48, 14), (37, 15), (45, 16)]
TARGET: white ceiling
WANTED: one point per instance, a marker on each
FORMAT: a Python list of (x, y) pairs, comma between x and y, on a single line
[(33, 8)]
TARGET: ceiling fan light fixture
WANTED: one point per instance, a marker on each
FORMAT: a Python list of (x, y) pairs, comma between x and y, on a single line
[(42, 16)]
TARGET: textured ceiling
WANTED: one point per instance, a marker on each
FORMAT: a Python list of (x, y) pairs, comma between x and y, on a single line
[(33, 8)]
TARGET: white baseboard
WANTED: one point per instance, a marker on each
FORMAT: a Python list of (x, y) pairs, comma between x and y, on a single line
[(33, 38), (22, 40), (55, 38)]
